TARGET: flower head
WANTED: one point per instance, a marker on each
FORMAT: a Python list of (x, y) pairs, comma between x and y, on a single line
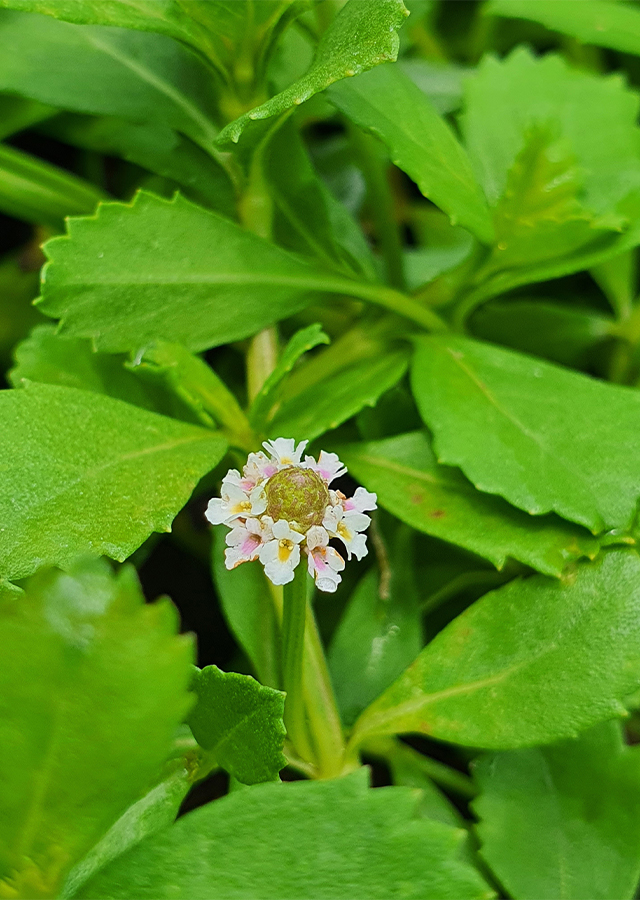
[(281, 508)]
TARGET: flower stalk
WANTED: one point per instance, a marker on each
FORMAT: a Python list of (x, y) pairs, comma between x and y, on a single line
[(294, 615)]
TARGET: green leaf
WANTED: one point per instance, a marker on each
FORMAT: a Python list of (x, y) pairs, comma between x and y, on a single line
[(154, 146), (218, 29), (543, 437), (115, 72), (319, 408), (441, 82), (304, 839), (361, 36), (562, 822), (240, 722), (613, 25), (196, 385), (439, 500), (386, 102), (18, 287), (534, 662), (84, 473), (539, 217), (47, 358), (555, 331), (198, 279), (155, 811), (16, 113), (39, 192), (307, 217), (594, 116), (616, 278), (247, 605), (379, 634), (302, 341), (93, 685)]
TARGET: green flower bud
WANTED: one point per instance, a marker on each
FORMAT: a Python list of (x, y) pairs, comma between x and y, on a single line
[(300, 496)]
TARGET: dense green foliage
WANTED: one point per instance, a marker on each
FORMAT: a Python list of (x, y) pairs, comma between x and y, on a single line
[(404, 232)]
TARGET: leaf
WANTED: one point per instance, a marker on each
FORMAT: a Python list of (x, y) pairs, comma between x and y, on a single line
[(38, 192), (616, 278), (247, 605), (301, 342), (280, 841), (154, 146), (84, 473), (240, 722), (216, 28), (18, 287), (379, 634), (441, 82), (156, 810), (555, 331), (543, 437), (195, 385), (48, 358), (361, 36), (561, 822), (438, 500), (115, 72), (16, 113), (534, 662), (387, 103), (594, 116), (319, 408), (601, 23), (539, 217), (307, 217), (93, 685), (198, 279)]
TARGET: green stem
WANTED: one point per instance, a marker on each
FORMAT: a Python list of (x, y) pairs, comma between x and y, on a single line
[(294, 615), (322, 713), (393, 750), (381, 202)]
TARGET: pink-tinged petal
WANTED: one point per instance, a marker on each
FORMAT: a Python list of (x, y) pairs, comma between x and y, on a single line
[(361, 501), (328, 466)]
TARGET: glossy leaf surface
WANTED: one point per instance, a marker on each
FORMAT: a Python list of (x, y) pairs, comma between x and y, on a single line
[(72, 765), (510, 671), (439, 500), (543, 437), (562, 821), (240, 722), (386, 102), (279, 841), (129, 475), (361, 36)]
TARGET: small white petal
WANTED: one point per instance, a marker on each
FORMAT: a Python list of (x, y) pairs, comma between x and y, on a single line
[(217, 511), (361, 501), (359, 546), (328, 466), (317, 536), (283, 531), (285, 452)]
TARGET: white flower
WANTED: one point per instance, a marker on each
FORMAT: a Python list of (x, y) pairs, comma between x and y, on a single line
[(281, 555), (328, 466), (323, 561), (280, 508), (245, 541), (285, 452), (347, 525)]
